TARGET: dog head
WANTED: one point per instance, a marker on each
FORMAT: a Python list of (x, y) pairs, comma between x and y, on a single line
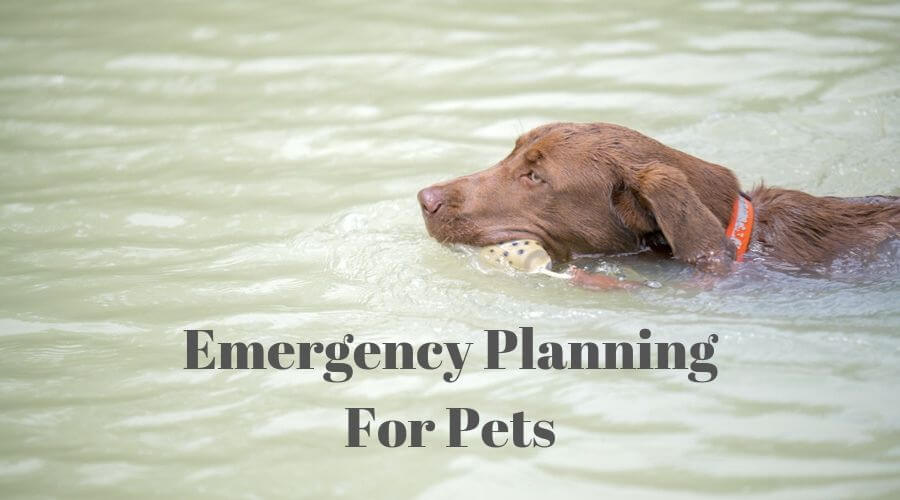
[(589, 189)]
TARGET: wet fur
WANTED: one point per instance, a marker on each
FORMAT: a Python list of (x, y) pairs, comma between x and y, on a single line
[(807, 230)]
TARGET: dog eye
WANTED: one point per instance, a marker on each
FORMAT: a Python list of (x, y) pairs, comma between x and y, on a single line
[(533, 177)]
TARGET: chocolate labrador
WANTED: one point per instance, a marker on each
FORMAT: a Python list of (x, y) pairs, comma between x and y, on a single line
[(598, 188)]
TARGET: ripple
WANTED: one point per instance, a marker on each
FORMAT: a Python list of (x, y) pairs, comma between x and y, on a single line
[(155, 220), (168, 62)]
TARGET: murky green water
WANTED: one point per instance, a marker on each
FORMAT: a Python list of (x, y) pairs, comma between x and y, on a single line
[(251, 167)]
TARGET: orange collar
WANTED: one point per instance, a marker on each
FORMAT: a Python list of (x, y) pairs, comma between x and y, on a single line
[(741, 226)]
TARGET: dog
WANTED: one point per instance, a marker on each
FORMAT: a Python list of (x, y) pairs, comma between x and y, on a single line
[(599, 188)]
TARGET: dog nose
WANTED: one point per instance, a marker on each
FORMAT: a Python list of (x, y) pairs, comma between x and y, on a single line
[(431, 199)]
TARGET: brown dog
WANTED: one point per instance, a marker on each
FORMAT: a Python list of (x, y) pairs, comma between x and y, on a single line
[(599, 188)]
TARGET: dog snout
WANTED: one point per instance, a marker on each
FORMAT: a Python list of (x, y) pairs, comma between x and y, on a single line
[(431, 199)]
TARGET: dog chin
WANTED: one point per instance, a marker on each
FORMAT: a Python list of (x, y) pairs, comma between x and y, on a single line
[(451, 237), (450, 234)]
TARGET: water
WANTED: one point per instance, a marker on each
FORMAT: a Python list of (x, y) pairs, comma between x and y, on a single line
[(251, 167)]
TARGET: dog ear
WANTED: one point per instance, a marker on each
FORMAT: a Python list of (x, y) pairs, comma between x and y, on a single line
[(658, 197)]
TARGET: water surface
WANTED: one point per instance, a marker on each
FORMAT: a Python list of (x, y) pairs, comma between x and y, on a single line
[(251, 167)]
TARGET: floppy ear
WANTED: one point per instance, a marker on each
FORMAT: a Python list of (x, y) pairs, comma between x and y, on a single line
[(658, 197)]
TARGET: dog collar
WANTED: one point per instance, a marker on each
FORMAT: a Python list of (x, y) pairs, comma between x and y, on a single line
[(741, 225)]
